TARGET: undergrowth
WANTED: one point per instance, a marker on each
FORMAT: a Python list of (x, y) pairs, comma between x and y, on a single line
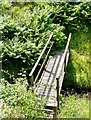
[(17, 102), (77, 74), (72, 107)]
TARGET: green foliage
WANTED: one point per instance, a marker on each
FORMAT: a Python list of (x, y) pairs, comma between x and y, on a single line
[(17, 102), (24, 38), (72, 107), (71, 15), (78, 68), (26, 28)]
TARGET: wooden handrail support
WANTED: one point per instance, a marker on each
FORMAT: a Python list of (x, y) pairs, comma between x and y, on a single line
[(37, 62), (63, 61)]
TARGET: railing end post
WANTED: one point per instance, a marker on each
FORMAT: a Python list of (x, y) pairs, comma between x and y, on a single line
[(31, 80)]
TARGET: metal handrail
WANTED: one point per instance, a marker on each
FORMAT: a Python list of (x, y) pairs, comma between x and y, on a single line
[(64, 56), (37, 62), (63, 63)]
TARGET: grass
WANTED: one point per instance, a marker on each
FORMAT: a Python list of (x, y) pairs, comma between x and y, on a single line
[(77, 74), (72, 107)]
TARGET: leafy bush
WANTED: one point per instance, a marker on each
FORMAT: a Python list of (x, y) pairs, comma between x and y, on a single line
[(16, 102), (25, 30), (24, 39)]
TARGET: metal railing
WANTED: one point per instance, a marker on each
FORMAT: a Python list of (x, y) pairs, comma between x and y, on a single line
[(31, 75), (64, 61)]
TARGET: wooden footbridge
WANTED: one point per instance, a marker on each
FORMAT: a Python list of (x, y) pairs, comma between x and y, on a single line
[(50, 83)]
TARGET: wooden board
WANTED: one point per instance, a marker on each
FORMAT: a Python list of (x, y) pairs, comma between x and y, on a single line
[(48, 83)]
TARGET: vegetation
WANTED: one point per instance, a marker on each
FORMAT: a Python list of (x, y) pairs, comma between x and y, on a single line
[(77, 74), (73, 107), (17, 102), (26, 28)]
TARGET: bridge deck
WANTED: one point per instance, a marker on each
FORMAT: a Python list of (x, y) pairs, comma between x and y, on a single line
[(48, 84)]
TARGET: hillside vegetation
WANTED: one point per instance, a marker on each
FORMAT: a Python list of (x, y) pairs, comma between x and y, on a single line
[(78, 75), (26, 28)]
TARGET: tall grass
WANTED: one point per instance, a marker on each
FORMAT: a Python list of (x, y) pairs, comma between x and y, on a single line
[(77, 74), (72, 107)]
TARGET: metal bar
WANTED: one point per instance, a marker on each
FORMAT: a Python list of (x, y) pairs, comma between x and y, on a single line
[(40, 56), (43, 64), (63, 58)]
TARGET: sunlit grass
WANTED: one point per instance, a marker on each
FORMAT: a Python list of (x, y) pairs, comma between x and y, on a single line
[(72, 107), (78, 67)]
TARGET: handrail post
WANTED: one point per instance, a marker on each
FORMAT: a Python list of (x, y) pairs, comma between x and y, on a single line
[(57, 92), (65, 62), (69, 45), (43, 60), (31, 81), (55, 112)]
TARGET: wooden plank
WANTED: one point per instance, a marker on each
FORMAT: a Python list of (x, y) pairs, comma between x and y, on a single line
[(49, 77), (51, 104), (47, 92), (46, 110)]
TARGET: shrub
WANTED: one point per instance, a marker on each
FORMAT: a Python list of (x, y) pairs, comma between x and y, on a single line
[(17, 102)]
